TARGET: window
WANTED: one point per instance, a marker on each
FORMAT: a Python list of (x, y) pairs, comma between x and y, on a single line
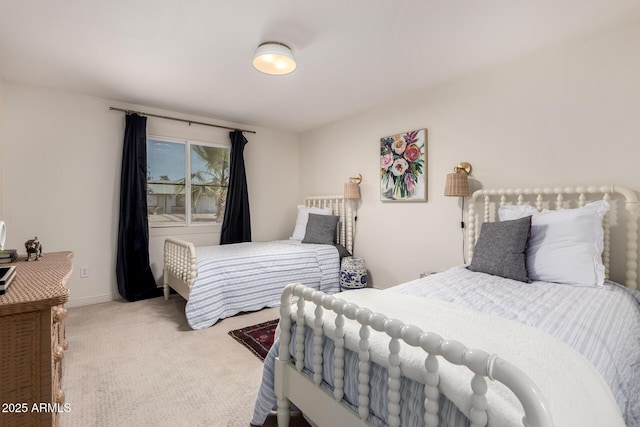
[(170, 190)]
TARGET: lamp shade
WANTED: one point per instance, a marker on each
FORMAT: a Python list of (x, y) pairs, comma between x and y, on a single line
[(351, 190), (457, 185), (274, 58)]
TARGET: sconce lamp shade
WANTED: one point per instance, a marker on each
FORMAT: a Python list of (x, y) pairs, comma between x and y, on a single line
[(351, 191), (457, 185), (352, 187), (274, 58), (458, 182)]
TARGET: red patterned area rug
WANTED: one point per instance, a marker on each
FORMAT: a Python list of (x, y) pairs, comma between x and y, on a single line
[(257, 338)]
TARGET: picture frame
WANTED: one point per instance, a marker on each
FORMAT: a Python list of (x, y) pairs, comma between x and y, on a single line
[(403, 167)]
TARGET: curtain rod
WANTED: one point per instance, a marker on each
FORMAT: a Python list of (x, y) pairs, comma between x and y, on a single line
[(179, 120)]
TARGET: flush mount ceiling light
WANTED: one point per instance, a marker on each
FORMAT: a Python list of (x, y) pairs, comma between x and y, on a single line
[(274, 58)]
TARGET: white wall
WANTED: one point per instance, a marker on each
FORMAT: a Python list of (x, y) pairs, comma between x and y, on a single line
[(61, 170), (563, 116)]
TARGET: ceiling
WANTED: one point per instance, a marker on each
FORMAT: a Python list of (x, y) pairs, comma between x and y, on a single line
[(194, 56)]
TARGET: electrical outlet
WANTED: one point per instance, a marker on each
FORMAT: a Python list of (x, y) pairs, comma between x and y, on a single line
[(84, 271)]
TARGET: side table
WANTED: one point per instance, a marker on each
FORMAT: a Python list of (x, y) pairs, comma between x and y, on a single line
[(353, 273)]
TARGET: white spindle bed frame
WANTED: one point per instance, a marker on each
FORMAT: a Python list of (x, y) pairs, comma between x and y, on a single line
[(180, 256), (327, 409), (560, 198)]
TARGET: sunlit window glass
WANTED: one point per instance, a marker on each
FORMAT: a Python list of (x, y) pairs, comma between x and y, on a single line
[(177, 198), (165, 182)]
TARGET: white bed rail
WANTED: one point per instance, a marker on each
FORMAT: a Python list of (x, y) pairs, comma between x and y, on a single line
[(179, 271), (306, 393), (561, 198)]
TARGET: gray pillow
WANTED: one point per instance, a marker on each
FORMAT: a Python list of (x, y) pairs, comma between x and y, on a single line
[(321, 229), (500, 249), (342, 251)]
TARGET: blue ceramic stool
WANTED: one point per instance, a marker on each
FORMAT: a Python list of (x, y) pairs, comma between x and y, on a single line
[(353, 274)]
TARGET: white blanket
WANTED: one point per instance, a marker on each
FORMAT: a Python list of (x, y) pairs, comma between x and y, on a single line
[(574, 390)]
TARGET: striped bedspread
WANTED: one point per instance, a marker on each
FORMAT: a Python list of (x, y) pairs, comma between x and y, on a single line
[(250, 276), (602, 324)]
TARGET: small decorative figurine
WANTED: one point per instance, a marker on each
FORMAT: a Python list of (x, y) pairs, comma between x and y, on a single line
[(34, 248)]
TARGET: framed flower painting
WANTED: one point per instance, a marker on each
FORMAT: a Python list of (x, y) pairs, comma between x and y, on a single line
[(403, 167)]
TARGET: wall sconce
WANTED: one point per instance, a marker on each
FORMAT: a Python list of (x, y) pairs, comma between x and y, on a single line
[(458, 182), (352, 195), (352, 187), (458, 186)]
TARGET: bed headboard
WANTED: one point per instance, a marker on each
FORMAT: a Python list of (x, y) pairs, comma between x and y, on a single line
[(342, 208), (622, 218)]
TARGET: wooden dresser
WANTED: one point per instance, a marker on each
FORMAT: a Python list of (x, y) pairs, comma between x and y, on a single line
[(32, 341)]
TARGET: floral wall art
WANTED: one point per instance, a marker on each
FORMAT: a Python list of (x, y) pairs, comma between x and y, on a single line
[(403, 167)]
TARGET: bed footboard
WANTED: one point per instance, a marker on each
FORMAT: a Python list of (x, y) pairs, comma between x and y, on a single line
[(326, 408), (179, 267)]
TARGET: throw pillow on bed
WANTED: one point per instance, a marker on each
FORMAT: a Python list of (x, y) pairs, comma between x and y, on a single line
[(303, 216), (500, 249), (566, 245), (321, 229), (508, 212)]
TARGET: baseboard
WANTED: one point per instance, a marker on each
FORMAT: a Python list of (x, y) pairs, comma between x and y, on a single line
[(78, 302)]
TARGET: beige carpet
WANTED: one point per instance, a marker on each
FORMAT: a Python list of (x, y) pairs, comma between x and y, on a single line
[(139, 364)]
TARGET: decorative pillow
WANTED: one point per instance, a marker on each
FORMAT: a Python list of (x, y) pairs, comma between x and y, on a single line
[(321, 229), (500, 249), (301, 220), (508, 212), (566, 245)]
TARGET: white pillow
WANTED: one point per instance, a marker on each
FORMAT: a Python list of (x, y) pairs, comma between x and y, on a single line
[(565, 245), (511, 212), (303, 217)]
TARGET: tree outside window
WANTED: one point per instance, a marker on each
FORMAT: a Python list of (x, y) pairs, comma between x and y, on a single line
[(169, 192)]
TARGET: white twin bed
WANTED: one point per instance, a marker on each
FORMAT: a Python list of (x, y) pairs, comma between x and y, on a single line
[(559, 342), (223, 280)]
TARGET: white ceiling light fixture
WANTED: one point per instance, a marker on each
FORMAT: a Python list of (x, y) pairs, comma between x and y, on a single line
[(274, 58)]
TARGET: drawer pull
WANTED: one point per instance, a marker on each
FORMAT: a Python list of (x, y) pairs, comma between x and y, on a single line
[(58, 353), (59, 314)]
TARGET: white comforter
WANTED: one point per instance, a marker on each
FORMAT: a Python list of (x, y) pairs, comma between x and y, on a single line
[(575, 391)]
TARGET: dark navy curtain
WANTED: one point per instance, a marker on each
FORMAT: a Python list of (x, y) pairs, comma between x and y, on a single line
[(236, 225), (134, 276)]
